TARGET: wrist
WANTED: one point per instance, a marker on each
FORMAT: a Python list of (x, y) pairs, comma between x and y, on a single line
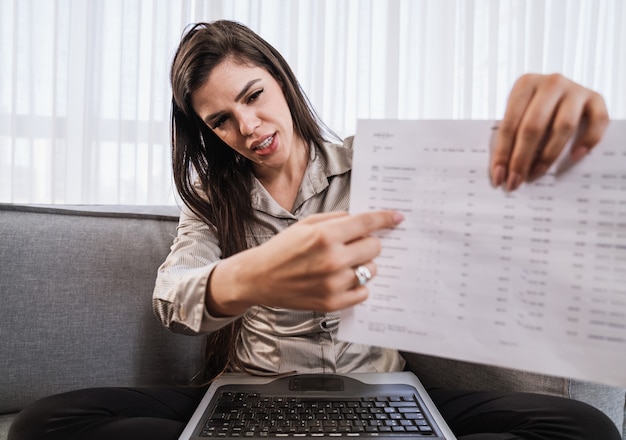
[(226, 290)]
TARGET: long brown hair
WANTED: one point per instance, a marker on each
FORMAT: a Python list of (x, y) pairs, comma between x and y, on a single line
[(200, 157)]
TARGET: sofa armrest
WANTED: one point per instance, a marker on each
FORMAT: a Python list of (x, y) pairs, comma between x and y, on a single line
[(76, 291)]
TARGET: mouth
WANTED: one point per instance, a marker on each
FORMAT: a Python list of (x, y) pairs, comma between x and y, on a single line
[(263, 145)]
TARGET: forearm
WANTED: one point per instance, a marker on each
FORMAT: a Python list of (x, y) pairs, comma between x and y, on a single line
[(230, 287), (179, 302), (182, 280)]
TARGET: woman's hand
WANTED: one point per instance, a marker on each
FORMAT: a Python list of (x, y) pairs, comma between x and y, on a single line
[(542, 114), (308, 266)]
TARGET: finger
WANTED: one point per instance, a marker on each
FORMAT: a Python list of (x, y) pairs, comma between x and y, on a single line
[(585, 114), (563, 127), (350, 298), (596, 121), (349, 228), (355, 291), (351, 293), (322, 217), (349, 278), (533, 130), (371, 268), (519, 98), (362, 249)]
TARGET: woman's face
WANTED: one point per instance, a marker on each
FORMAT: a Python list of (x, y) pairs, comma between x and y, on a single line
[(245, 106)]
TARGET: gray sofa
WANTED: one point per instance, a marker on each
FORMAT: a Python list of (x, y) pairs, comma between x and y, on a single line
[(75, 289)]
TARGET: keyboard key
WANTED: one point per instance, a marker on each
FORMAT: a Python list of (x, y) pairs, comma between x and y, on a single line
[(242, 415)]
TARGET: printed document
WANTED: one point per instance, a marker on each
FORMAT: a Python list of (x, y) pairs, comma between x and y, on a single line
[(532, 280)]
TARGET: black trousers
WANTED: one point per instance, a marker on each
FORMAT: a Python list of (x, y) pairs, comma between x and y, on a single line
[(161, 413)]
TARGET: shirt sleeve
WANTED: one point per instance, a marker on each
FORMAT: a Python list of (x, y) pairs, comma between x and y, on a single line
[(178, 299)]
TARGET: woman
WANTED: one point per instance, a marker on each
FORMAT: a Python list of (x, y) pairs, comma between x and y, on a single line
[(265, 255)]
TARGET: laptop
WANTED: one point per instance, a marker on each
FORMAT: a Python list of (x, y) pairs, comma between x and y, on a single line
[(317, 406)]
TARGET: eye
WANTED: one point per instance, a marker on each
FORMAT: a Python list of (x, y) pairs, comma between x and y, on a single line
[(254, 96), (219, 122)]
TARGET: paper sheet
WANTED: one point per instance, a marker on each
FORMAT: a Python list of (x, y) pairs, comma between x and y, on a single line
[(532, 280)]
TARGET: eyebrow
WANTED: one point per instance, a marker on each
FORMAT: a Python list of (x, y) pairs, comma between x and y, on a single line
[(241, 94)]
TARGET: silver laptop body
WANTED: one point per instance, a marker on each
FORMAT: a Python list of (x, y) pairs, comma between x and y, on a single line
[(317, 406)]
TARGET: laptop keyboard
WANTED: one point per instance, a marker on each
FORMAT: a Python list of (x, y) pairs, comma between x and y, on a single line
[(238, 414)]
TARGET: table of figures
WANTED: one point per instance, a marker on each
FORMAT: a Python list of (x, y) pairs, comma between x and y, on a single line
[(534, 279)]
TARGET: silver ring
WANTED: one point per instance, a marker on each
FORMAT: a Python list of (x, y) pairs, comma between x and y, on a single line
[(363, 274)]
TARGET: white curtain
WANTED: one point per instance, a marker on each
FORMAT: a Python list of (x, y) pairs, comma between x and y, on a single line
[(84, 92)]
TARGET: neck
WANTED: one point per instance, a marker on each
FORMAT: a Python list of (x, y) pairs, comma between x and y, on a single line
[(283, 183)]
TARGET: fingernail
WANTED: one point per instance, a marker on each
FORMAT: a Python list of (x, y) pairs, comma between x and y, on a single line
[(538, 170), (514, 181), (398, 217), (579, 152), (497, 178)]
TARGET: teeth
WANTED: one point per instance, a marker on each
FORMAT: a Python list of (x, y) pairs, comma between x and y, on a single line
[(266, 143)]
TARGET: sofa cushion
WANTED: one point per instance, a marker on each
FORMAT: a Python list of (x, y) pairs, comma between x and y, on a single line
[(75, 288), (436, 372)]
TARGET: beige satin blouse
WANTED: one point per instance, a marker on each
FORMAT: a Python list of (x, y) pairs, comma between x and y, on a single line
[(273, 340)]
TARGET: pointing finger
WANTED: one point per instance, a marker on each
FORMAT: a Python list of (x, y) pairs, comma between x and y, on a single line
[(349, 228)]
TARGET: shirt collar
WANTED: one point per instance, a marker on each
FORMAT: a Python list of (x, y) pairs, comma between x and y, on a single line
[(325, 161)]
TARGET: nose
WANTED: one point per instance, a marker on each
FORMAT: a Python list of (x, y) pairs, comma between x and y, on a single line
[(248, 122)]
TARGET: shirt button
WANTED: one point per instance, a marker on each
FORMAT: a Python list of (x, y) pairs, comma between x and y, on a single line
[(324, 325)]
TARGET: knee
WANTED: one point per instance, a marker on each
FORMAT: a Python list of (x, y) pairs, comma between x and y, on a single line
[(591, 422), (30, 423)]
